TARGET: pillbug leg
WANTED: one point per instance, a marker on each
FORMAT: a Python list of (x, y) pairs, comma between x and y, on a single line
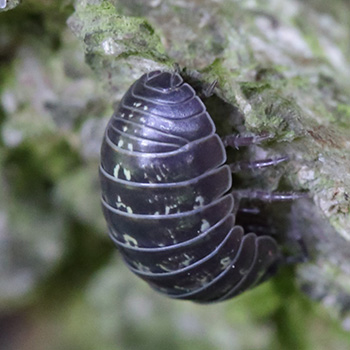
[(236, 140), (253, 211), (257, 164), (172, 81), (173, 76), (209, 90), (253, 217), (176, 68), (249, 217), (269, 196)]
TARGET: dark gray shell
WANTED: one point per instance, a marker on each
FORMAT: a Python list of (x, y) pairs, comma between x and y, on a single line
[(166, 199)]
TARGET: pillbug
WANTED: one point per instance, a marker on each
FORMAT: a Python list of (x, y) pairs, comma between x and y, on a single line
[(167, 195)]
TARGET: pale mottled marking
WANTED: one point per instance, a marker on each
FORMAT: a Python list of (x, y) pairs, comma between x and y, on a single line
[(137, 104), (116, 171), (163, 267), (130, 147), (131, 115), (171, 234), (179, 288), (204, 280), (129, 210), (120, 205), (125, 128), (164, 167), (225, 261), (145, 108), (120, 143), (199, 200), (141, 267), (173, 237), (169, 207), (127, 174), (130, 240), (188, 260), (205, 225), (162, 172), (158, 177)]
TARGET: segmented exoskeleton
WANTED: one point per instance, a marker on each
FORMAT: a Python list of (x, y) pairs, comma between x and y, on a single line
[(167, 196)]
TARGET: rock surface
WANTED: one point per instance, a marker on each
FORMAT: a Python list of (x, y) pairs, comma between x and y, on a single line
[(282, 68)]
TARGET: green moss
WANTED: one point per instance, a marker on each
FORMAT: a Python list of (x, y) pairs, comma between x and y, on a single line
[(216, 68), (301, 83), (107, 33), (271, 111), (344, 109), (310, 36), (217, 71), (251, 88), (343, 115)]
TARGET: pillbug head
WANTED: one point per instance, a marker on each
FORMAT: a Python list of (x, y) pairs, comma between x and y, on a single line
[(163, 81)]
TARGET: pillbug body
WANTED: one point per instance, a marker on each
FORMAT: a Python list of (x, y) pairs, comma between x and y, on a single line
[(167, 196)]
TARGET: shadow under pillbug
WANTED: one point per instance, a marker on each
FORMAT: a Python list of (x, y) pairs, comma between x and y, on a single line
[(167, 196)]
